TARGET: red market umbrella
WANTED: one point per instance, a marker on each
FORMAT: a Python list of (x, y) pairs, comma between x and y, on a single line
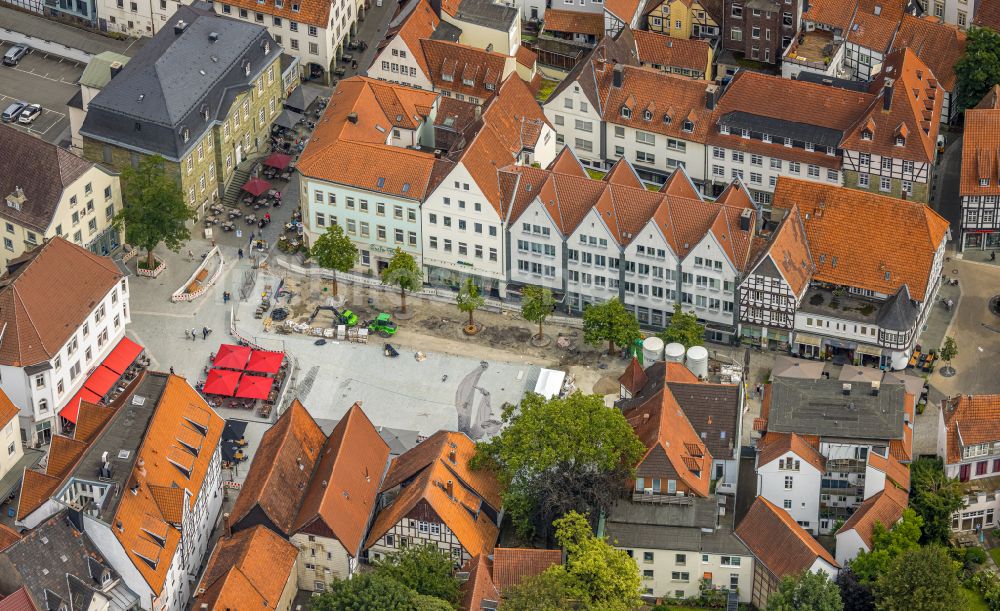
[(232, 357), (263, 361), (278, 160), (221, 382), (256, 186), (254, 387)]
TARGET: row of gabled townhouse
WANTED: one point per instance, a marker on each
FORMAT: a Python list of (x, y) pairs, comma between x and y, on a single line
[(979, 184), (876, 139)]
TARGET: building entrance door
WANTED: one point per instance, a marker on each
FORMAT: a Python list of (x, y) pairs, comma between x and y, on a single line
[(239, 154)]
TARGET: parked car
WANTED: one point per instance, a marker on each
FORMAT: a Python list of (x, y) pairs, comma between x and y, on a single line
[(29, 114), (10, 115), (14, 55)]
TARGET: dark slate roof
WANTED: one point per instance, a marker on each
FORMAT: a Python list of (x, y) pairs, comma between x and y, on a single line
[(175, 79), (624, 534), (899, 312), (804, 132), (52, 169), (446, 31), (714, 412), (687, 512), (654, 525), (832, 81), (57, 562), (487, 14), (820, 407)]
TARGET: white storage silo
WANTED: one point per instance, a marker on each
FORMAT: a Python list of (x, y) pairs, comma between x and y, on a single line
[(697, 361), (652, 350), (674, 353)]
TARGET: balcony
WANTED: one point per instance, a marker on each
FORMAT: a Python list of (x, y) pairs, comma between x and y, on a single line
[(814, 50), (656, 497)]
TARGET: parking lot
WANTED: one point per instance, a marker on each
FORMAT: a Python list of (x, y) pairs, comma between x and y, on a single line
[(42, 79)]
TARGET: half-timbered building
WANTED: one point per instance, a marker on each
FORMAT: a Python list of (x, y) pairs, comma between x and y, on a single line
[(979, 186)]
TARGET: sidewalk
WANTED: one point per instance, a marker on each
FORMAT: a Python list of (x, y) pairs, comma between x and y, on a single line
[(76, 38)]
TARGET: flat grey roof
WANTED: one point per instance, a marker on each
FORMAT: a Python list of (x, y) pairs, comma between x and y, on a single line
[(487, 14), (820, 407)]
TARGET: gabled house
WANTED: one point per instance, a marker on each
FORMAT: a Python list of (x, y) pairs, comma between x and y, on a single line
[(789, 472), (979, 186), (871, 34), (939, 45), (254, 568), (686, 19), (684, 56), (857, 534), (400, 58), (780, 548), (968, 444), (429, 496)]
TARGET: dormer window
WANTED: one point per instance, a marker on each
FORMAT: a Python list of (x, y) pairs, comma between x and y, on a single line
[(626, 112), (765, 138), (490, 86), (900, 141), (185, 134), (810, 147), (688, 126), (204, 111), (724, 129), (666, 119), (866, 134), (246, 68), (984, 182), (468, 82), (267, 47), (744, 133), (647, 116)]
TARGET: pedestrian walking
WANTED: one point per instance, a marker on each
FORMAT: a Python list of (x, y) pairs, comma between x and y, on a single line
[(194, 334), (187, 334), (241, 254), (191, 253)]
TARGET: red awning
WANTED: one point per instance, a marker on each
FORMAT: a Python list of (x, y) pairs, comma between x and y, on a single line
[(256, 186), (72, 408), (123, 355), (278, 160), (263, 361), (254, 387), (232, 357), (102, 380), (221, 382)]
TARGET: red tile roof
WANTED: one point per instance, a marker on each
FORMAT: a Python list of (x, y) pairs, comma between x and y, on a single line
[(63, 454), (981, 151), (659, 50), (789, 251), (937, 44), (311, 12), (668, 100), (680, 185), (463, 69), (774, 445), (8, 537), (833, 13), (577, 22), (419, 25), (854, 236), (969, 420), (883, 508), (36, 488), (512, 565), (875, 23), (479, 586), (775, 540), (987, 15), (249, 570), (341, 494), (20, 600), (634, 377)]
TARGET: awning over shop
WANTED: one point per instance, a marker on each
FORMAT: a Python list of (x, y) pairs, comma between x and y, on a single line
[(301, 98), (232, 356), (101, 381), (124, 354), (254, 387), (263, 361), (869, 350), (221, 382), (808, 340), (72, 407)]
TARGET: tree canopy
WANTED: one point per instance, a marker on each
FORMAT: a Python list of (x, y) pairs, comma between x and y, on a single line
[(553, 590), (154, 210), (469, 299), (607, 576), (920, 579), (334, 251), (557, 455), (404, 272), (949, 350), (856, 596), (537, 304), (683, 328), (610, 322), (979, 67), (366, 591), (424, 569), (886, 546), (935, 498), (806, 592)]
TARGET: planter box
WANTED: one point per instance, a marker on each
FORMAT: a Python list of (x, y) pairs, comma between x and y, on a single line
[(151, 273)]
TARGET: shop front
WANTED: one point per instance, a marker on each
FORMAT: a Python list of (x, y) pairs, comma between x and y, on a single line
[(807, 346)]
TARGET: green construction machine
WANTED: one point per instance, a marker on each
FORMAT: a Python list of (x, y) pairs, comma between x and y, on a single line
[(383, 325)]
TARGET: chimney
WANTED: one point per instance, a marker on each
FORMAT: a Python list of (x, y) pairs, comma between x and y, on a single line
[(179, 27), (450, 489), (226, 525), (887, 94), (353, 118), (711, 96), (115, 68), (745, 217), (618, 76), (847, 389), (213, 37), (451, 456)]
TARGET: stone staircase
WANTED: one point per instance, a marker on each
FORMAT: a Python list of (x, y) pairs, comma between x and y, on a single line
[(240, 176)]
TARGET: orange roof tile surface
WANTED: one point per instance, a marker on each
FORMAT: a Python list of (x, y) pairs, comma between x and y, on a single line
[(634, 377), (311, 12), (970, 420), (661, 103), (661, 50), (512, 565), (248, 571), (882, 508), (987, 15), (281, 469), (419, 25), (90, 420), (853, 236), (8, 537), (180, 405), (463, 69), (774, 538), (341, 494), (36, 325), (8, 411), (981, 151), (36, 488), (939, 45), (875, 23), (479, 586), (788, 249), (834, 13), (577, 22), (63, 454), (774, 445)]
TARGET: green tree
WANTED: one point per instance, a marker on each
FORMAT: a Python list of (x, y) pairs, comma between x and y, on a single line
[(979, 67), (424, 569), (552, 590), (949, 350), (857, 596), (469, 299), (683, 328), (364, 592), (537, 304), (935, 498), (334, 251), (607, 576), (806, 592), (560, 454), (921, 579), (154, 210), (403, 272), (886, 546), (610, 322)]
